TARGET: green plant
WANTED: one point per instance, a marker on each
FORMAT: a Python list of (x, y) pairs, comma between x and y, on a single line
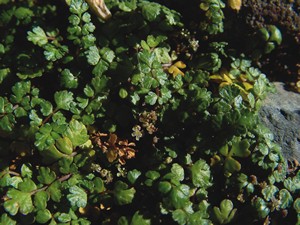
[(225, 213), (214, 16), (106, 122), (266, 40)]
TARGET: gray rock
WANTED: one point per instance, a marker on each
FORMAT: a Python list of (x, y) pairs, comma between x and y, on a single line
[(280, 112)]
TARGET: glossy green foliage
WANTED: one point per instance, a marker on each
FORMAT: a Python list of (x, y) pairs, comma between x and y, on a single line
[(238, 149), (214, 16), (225, 213), (201, 174), (123, 194), (266, 40), (128, 121)]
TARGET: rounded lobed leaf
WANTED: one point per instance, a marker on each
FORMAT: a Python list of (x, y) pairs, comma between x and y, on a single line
[(201, 175)]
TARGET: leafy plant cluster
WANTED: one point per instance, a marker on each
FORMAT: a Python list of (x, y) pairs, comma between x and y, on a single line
[(281, 65), (115, 122)]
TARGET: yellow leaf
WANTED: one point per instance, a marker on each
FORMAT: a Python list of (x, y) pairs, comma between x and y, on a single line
[(224, 84), (175, 71), (180, 65), (235, 4), (224, 72), (227, 78), (241, 89), (171, 69), (247, 86), (216, 77)]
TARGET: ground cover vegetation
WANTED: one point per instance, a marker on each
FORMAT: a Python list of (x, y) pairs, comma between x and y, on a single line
[(145, 113)]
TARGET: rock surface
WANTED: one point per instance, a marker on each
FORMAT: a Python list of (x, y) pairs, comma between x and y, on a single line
[(281, 114)]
